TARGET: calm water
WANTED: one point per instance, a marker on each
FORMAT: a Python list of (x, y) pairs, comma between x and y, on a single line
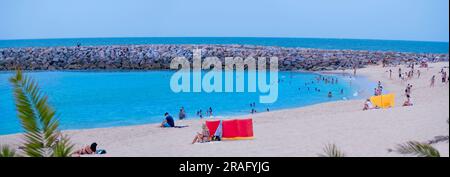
[(106, 99), (354, 44)]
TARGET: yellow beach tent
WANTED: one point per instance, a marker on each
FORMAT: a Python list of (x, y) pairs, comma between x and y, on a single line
[(383, 101)]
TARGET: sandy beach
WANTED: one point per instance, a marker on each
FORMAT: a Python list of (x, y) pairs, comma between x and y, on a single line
[(301, 131)]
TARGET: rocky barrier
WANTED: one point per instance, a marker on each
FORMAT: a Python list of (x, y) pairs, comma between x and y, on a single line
[(150, 57)]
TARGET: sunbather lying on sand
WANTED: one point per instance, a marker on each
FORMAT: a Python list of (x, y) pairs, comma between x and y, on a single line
[(86, 150), (202, 137)]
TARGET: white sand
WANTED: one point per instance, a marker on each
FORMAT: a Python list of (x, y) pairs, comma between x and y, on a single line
[(301, 131)]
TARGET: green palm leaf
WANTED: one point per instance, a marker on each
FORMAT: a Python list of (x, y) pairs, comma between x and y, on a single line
[(331, 150), (417, 149), (63, 148), (6, 151), (36, 116)]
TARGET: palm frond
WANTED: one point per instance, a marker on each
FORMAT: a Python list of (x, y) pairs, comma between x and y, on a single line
[(63, 148), (417, 149), (331, 150), (36, 116), (6, 151)]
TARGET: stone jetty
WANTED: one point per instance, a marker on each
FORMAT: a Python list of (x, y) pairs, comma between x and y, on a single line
[(153, 57)]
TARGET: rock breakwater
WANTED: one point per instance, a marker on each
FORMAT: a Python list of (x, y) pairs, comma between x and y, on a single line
[(152, 57)]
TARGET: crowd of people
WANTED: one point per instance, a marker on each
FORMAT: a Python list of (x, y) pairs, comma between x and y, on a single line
[(406, 76)]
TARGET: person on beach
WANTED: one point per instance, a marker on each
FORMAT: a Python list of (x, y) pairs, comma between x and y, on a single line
[(90, 149), (408, 90), (433, 79), (209, 113), (203, 137), (399, 73), (182, 114), (408, 101), (418, 74), (168, 121), (444, 76), (200, 114), (390, 73), (379, 88), (367, 105)]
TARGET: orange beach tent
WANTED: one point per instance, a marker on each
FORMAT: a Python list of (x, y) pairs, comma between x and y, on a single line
[(383, 101), (234, 129)]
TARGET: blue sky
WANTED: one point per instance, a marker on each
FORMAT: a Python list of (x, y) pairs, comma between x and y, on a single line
[(423, 20)]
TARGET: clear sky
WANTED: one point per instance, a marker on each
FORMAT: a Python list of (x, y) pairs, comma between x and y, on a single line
[(423, 20)]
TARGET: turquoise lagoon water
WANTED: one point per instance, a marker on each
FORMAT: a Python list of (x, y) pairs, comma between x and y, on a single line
[(320, 43), (107, 99)]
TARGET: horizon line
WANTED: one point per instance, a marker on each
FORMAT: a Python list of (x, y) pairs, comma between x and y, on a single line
[(274, 37)]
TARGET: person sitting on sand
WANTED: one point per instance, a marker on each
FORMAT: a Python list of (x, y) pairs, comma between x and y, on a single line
[(367, 105), (408, 101), (90, 149), (168, 121), (202, 137)]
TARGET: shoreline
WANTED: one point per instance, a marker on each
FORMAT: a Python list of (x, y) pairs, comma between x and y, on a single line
[(228, 114), (356, 132)]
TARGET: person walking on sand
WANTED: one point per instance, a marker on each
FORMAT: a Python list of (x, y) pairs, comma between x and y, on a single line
[(433, 79), (444, 77), (408, 89), (390, 73), (399, 73)]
